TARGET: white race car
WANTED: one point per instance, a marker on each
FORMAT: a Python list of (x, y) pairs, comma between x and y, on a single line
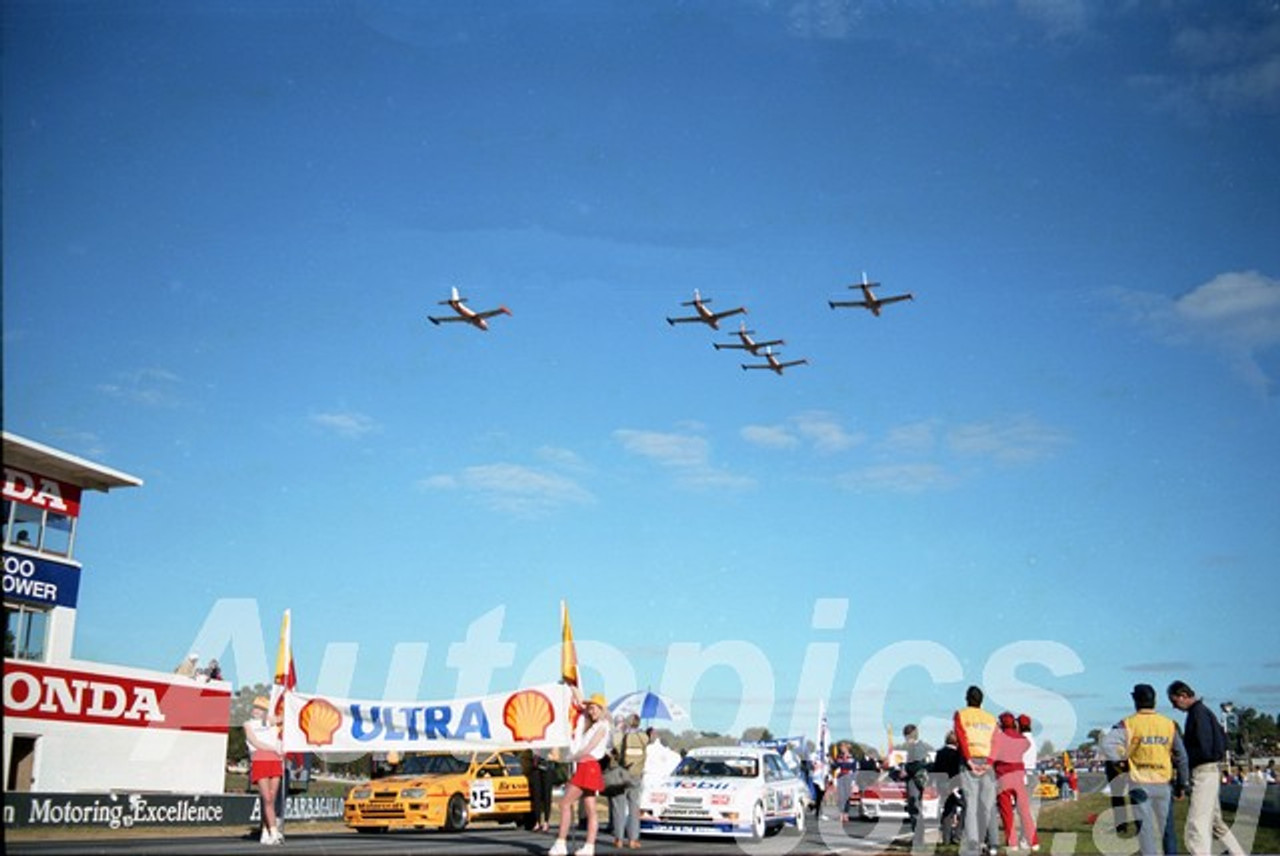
[(738, 791)]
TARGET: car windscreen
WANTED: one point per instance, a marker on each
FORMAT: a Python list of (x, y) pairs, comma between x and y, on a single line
[(718, 768), (417, 765)]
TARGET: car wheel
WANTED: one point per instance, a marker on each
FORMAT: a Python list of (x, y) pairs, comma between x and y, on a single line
[(367, 829), (457, 814), (757, 822)]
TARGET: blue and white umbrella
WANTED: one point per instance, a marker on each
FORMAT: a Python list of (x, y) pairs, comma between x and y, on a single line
[(647, 705)]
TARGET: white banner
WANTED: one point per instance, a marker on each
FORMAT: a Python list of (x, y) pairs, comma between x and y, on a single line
[(530, 718)]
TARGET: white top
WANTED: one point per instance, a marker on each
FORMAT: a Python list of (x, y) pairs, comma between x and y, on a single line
[(262, 736), (578, 746)]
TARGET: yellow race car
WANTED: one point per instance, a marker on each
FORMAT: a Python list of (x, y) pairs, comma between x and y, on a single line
[(442, 791)]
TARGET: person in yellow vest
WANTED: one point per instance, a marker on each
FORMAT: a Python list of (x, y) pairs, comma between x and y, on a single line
[(975, 729), (1149, 745)]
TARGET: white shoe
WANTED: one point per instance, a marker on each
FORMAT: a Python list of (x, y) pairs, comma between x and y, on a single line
[(585, 850), (558, 849), (277, 837), (266, 838)]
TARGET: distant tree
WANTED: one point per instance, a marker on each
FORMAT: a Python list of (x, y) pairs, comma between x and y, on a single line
[(1047, 750), (758, 733)]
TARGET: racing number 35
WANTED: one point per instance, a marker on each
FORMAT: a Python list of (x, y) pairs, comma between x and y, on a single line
[(482, 795)]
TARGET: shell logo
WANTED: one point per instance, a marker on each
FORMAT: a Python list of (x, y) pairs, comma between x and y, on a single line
[(528, 713), (319, 720)]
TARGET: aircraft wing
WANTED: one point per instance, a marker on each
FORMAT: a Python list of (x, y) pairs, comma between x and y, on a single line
[(686, 319), (446, 319), (489, 313), (731, 345), (895, 298), (719, 316), (861, 303)]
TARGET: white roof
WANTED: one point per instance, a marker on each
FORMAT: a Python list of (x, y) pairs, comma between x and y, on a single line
[(38, 458)]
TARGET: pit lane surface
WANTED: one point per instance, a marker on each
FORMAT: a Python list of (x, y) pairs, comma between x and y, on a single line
[(825, 837)]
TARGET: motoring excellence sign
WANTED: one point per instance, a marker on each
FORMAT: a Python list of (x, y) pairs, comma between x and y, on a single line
[(534, 717)]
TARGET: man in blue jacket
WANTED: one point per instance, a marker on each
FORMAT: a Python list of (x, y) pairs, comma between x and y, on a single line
[(1206, 745)]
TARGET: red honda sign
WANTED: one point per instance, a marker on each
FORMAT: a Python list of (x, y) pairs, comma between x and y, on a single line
[(34, 691), (42, 492)]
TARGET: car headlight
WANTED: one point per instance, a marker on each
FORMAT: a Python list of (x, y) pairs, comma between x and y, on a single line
[(360, 793), (413, 793)]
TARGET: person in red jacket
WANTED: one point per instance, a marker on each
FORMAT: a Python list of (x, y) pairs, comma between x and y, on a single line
[(1008, 751)]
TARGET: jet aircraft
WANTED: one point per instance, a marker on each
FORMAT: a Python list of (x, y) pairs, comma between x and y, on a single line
[(869, 300), (705, 315), (774, 364), (747, 343), (465, 313)]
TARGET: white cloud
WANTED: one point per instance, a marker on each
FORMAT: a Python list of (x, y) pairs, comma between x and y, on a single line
[(823, 19), (929, 455), (512, 488), (770, 436), (150, 387), (824, 432), (564, 459), (818, 429), (682, 451), (688, 456), (916, 437), (1057, 17), (898, 478), (348, 425), (1018, 441), (1229, 68), (1236, 314)]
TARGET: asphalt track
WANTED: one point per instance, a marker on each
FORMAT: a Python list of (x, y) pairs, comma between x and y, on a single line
[(826, 837)]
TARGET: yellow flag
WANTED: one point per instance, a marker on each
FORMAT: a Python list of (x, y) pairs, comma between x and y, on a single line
[(1067, 766), (286, 675), (568, 653)]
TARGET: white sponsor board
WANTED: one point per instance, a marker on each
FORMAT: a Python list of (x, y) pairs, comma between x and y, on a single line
[(533, 717)]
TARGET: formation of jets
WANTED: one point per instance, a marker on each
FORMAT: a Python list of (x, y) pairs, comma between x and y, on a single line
[(703, 315), (744, 343)]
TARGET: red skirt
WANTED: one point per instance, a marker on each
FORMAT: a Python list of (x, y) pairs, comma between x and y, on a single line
[(270, 767), (588, 777)]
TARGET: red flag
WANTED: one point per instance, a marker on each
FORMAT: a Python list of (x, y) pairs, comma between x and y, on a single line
[(568, 652)]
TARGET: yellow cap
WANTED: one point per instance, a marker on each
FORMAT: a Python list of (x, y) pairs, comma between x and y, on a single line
[(262, 702), (598, 700)]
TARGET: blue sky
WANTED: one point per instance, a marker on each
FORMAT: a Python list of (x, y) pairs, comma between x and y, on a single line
[(1054, 472)]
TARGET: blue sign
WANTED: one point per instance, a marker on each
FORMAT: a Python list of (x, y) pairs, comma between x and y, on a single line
[(40, 581)]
